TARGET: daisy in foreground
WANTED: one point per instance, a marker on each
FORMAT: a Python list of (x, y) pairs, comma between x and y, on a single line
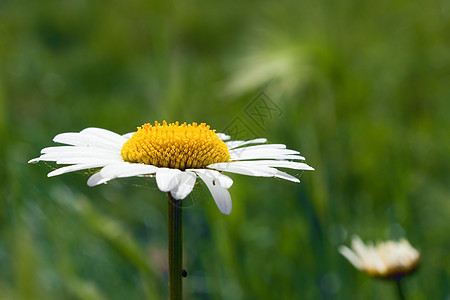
[(174, 154)]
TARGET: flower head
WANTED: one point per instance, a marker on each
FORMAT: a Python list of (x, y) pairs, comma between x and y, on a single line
[(389, 259), (174, 154)]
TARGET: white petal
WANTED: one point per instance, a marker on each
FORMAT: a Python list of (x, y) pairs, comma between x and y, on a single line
[(167, 179), (74, 138), (125, 169), (359, 247), (186, 182), (223, 136), (253, 170), (263, 151), (92, 137), (235, 144), (77, 139), (221, 195), (78, 149), (217, 177), (276, 163), (266, 156), (260, 171), (73, 168), (72, 154), (351, 256), (86, 160), (97, 179), (105, 134), (129, 135), (120, 170), (62, 156), (286, 176), (264, 146)]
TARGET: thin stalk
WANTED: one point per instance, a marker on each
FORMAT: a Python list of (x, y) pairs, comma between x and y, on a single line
[(175, 249), (401, 294)]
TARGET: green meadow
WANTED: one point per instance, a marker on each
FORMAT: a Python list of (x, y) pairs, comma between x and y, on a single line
[(360, 88)]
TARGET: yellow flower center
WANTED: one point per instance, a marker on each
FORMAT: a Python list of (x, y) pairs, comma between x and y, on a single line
[(175, 146)]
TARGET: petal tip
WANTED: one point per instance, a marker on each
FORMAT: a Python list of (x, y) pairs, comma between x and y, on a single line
[(33, 161), (226, 212)]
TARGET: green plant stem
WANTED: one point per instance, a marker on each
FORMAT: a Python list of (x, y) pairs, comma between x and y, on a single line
[(401, 294), (175, 249)]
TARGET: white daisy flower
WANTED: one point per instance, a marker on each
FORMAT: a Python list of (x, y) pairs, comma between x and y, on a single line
[(174, 154), (389, 259)]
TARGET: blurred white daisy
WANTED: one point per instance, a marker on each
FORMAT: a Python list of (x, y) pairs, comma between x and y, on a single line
[(389, 259), (175, 154)]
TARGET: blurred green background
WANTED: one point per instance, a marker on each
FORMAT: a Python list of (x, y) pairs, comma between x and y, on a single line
[(361, 88)]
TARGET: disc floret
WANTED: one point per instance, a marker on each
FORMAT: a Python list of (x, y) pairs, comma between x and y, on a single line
[(185, 146)]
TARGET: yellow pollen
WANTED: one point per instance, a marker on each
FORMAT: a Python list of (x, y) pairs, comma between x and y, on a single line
[(175, 146)]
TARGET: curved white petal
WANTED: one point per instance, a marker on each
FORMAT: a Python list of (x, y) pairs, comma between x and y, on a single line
[(260, 168), (359, 247), (73, 168), (286, 176), (221, 195), (97, 179), (217, 177), (223, 136), (125, 169), (78, 149), (262, 152), (261, 171), (241, 152), (104, 134), (92, 137), (266, 156), (68, 156), (71, 154), (275, 163), (120, 170), (235, 144), (167, 179), (262, 147), (75, 139), (86, 160), (128, 135), (351, 256), (186, 182)]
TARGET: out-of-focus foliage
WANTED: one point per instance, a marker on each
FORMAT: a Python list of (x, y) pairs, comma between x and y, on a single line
[(360, 88)]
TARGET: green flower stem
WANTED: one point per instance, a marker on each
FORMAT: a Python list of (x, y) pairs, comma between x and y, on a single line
[(401, 294), (175, 249)]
